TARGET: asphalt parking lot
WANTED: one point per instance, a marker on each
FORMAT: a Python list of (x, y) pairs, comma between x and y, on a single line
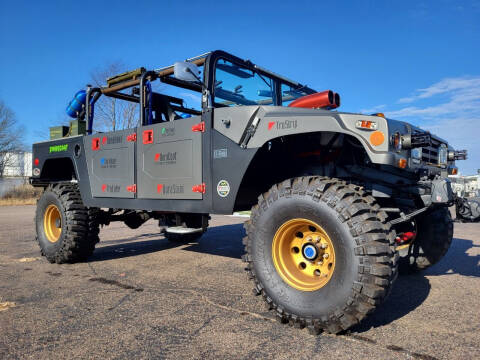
[(139, 296)]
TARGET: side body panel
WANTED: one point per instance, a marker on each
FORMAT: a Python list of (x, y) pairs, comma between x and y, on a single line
[(274, 121), (65, 148), (169, 164), (221, 160), (231, 139), (110, 164), (240, 131), (202, 205), (230, 163)]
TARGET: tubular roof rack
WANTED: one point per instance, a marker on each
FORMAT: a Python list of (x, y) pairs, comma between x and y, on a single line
[(128, 75), (132, 78)]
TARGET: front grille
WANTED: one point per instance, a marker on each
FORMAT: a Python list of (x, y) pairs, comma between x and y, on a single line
[(430, 153), (428, 145)]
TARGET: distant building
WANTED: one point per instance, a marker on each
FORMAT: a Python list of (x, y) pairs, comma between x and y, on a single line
[(19, 164), (466, 186)]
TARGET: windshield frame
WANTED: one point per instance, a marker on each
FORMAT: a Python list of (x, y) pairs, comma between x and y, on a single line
[(278, 80)]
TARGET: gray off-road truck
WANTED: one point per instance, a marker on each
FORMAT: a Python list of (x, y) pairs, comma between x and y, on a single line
[(339, 201)]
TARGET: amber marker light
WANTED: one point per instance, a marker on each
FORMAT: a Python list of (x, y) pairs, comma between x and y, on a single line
[(377, 138), (453, 171), (366, 124), (402, 163)]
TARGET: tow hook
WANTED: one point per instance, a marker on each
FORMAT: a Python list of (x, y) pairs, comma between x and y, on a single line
[(405, 237)]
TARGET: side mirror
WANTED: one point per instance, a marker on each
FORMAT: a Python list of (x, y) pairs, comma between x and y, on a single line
[(186, 71)]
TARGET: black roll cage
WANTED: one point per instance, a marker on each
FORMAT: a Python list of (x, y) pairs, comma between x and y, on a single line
[(208, 61)]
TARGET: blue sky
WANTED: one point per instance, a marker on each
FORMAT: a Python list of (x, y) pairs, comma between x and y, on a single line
[(413, 60)]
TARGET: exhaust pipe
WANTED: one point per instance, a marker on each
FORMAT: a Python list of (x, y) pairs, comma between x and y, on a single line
[(336, 98), (324, 99), (321, 100)]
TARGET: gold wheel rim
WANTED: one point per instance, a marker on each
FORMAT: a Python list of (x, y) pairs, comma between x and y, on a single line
[(303, 254), (52, 223)]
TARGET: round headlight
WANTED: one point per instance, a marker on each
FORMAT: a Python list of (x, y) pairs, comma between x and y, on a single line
[(416, 155), (442, 154)]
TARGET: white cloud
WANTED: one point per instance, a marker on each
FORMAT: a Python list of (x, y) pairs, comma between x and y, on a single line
[(454, 106), (451, 97), (445, 86), (406, 100)]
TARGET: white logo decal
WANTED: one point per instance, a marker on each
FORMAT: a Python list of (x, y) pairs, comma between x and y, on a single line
[(223, 188)]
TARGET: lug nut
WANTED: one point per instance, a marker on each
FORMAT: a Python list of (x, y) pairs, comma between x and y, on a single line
[(320, 263), (309, 238), (324, 246), (325, 256)]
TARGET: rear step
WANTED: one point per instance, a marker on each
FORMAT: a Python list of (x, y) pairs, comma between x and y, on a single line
[(182, 230)]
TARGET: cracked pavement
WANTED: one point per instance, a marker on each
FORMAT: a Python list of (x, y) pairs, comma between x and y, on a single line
[(140, 296)]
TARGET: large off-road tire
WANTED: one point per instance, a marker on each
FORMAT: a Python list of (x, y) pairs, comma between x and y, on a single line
[(67, 231), (355, 276), (433, 238)]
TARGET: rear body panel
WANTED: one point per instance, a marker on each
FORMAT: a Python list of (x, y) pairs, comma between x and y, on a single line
[(91, 176)]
